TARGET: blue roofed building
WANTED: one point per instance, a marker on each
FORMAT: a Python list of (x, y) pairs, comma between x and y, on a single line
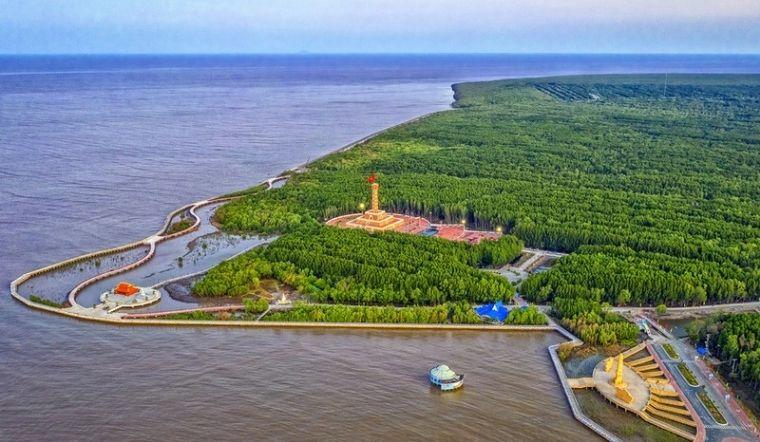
[(494, 310)]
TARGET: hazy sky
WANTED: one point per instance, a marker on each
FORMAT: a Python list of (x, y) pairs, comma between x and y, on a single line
[(230, 26)]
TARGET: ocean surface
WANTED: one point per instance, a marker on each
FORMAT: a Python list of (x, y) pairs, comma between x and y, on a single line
[(95, 150)]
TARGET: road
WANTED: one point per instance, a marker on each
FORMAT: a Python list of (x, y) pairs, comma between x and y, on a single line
[(713, 308), (737, 426), (518, 273)]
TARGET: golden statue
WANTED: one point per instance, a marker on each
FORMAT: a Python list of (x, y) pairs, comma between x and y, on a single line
[(621, 388), (619, 382)]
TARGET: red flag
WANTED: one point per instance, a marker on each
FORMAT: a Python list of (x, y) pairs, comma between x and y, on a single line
[(371, 178)]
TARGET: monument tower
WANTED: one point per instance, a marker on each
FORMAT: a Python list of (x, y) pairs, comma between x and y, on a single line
[(375, 219)]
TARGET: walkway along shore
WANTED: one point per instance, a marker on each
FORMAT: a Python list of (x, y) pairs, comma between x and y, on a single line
[(77, 311)]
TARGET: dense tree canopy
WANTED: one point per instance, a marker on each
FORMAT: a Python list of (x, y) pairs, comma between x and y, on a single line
[(734, 338), (355, 267), (449, 313), (655, 191)]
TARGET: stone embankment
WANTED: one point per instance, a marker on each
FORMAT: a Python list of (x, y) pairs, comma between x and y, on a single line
[(575, 407), (151, 242)]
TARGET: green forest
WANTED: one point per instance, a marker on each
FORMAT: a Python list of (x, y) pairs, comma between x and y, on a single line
[(654, 189), (355, 267), (448, 313), (735, 339)]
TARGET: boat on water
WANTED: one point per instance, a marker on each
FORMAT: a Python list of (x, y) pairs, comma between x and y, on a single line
[(445, 378)]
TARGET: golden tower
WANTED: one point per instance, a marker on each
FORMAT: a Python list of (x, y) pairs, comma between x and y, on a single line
[(375, 197), (619, 382), (375, 219), (621, 388)]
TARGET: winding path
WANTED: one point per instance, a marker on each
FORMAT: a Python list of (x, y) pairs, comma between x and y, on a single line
[(77, 310)]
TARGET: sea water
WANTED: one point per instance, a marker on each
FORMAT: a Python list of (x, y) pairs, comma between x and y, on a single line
[(96, 150)]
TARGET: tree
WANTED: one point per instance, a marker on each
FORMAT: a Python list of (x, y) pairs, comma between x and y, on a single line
[(623, 297), (661, 309)]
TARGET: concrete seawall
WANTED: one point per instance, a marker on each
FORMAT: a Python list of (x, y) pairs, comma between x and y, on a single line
[(151, 242), (573, 401), (160, 235)]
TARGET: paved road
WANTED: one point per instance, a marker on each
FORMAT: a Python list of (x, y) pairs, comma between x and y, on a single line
[(715, 432), (735, 307), (549, 253)]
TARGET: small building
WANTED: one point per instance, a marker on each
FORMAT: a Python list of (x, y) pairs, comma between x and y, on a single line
[(494, 310), (128, 295)]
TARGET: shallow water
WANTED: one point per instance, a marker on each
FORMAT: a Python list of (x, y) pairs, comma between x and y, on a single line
[(199, 250), (56, 285), (95, 151)]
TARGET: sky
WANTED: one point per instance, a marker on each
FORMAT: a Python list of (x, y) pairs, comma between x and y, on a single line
[(384, 26)]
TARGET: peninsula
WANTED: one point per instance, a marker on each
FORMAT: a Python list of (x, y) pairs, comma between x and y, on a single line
[(575, 194)]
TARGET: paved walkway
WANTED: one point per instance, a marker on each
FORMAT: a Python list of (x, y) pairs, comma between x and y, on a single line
[(712, 308), (739, 425)]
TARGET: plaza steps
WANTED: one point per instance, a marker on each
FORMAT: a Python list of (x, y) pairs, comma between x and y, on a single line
[(663, 393), (633, 350), (669, 416), (669, 409), (667, 426), (651, 374), (658, 381), (642, 368), (637, 362), (664, 401)]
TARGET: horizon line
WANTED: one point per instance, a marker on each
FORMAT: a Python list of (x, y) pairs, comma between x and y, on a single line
[(307, 53)]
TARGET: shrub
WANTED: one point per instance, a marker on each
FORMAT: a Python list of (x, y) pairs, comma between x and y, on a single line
[(564, 350), (196, 315), (179, 226), (688, 375), (712, 408), (526, 316), (255, 306), (45, 301), (670, 351)]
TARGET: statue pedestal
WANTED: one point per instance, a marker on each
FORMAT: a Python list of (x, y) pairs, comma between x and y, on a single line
[(376, 220)]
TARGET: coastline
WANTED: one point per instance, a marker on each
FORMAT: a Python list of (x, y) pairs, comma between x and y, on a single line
[(159, 236), (152, 240), (366, 138)]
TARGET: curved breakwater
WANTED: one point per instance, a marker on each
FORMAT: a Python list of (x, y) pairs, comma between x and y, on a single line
[(75, 310), (151, 242), (81, 148)]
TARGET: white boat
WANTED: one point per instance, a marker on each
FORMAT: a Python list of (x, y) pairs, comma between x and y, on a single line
[(445, 378)]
